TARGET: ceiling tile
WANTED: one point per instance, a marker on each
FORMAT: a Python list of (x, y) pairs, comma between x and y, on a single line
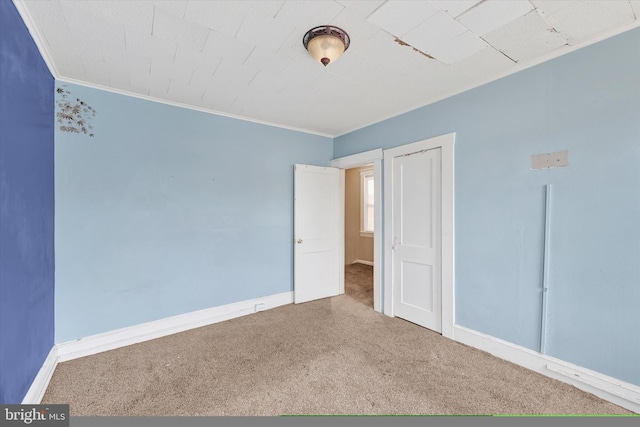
[(222, 46), (182, 92), (148, 46), (170, 27), (463, 46), (526, 38), (635, 5), (400, 17), (229, 71), (579, 21), (293, 47), (181, 71), (268, 60), (363, 8), (106, 33), (482, 65), (50, 20), (358, 28), (201, 79), (126, 60), (455, 8), (93, 61), (434, 32), (261, 30), (69, 63), (197, 60), (157, 82), (133, 13), (268, 82), (307, 14), (492, 14), (269, 7), (174, 7), (225, 17)]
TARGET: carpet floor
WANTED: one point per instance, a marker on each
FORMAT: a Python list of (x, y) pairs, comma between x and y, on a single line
[(358, 283), (331, 356)]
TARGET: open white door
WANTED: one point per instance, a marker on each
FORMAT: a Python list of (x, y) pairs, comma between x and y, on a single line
[(316, 233)]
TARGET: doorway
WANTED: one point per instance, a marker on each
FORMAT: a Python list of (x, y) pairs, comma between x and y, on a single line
[(371, 160), (359, 226)]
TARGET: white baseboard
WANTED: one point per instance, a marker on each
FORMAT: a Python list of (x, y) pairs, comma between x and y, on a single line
[(171, 325), (143, 332), (41, 381), (611, 389), (361, 261)]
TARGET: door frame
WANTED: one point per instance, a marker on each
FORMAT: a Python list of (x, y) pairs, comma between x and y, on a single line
[(446, 144), (353, 161)]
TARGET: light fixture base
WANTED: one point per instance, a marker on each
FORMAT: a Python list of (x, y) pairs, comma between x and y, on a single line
[(326, 43)]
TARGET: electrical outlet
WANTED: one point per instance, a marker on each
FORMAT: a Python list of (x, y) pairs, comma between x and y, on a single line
[(260, 307)]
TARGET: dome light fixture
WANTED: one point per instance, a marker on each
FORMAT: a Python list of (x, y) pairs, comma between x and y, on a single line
[(326, 43)]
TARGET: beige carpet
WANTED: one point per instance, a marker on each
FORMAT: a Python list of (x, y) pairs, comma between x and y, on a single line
[(332, 356), (358, 283)]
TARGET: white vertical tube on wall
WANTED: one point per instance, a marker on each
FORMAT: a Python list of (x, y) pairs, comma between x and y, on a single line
[(545, 268)]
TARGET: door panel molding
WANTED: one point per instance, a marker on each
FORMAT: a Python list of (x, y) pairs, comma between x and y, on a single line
[(446, 144)]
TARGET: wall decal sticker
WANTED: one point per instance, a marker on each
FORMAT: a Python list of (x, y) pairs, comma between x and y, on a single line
[(73, 116)]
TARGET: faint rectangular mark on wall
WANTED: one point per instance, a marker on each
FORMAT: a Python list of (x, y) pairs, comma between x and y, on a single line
[(557, 159)]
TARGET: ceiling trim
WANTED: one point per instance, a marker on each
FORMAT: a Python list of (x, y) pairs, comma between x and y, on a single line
[(37, 37), (516, 69), (42, 48), (188, 107)]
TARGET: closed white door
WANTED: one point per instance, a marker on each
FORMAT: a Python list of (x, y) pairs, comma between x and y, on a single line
[(416, 246), (316, 233)]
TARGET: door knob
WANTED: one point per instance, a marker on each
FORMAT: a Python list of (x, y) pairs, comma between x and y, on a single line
[(299, 241)]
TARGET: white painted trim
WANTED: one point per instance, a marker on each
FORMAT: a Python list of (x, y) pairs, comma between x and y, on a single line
[(41, 381), (341, 231), (353, 161), (358, 159), (37, 37), (361, 261), (168, 326), (188, 107), (364, 174), (611, 389), (446, 144), (378, 260)]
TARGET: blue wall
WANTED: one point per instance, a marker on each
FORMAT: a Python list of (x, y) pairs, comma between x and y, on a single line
[(168, 210), (589, 103), (26, 207)]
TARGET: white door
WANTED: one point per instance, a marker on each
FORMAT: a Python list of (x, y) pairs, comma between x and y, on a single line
[(416, 245), (316, 233)]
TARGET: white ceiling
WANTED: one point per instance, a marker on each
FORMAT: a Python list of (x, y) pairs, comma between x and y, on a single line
[(246, 58)]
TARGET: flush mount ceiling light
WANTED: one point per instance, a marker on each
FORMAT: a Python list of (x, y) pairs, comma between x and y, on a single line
[(326, 43)]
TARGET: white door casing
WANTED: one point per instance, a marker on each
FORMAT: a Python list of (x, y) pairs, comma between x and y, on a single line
[(316, 233), (419, 233)]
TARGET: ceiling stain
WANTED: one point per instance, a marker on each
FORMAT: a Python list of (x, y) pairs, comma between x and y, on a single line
[(403, 43)]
